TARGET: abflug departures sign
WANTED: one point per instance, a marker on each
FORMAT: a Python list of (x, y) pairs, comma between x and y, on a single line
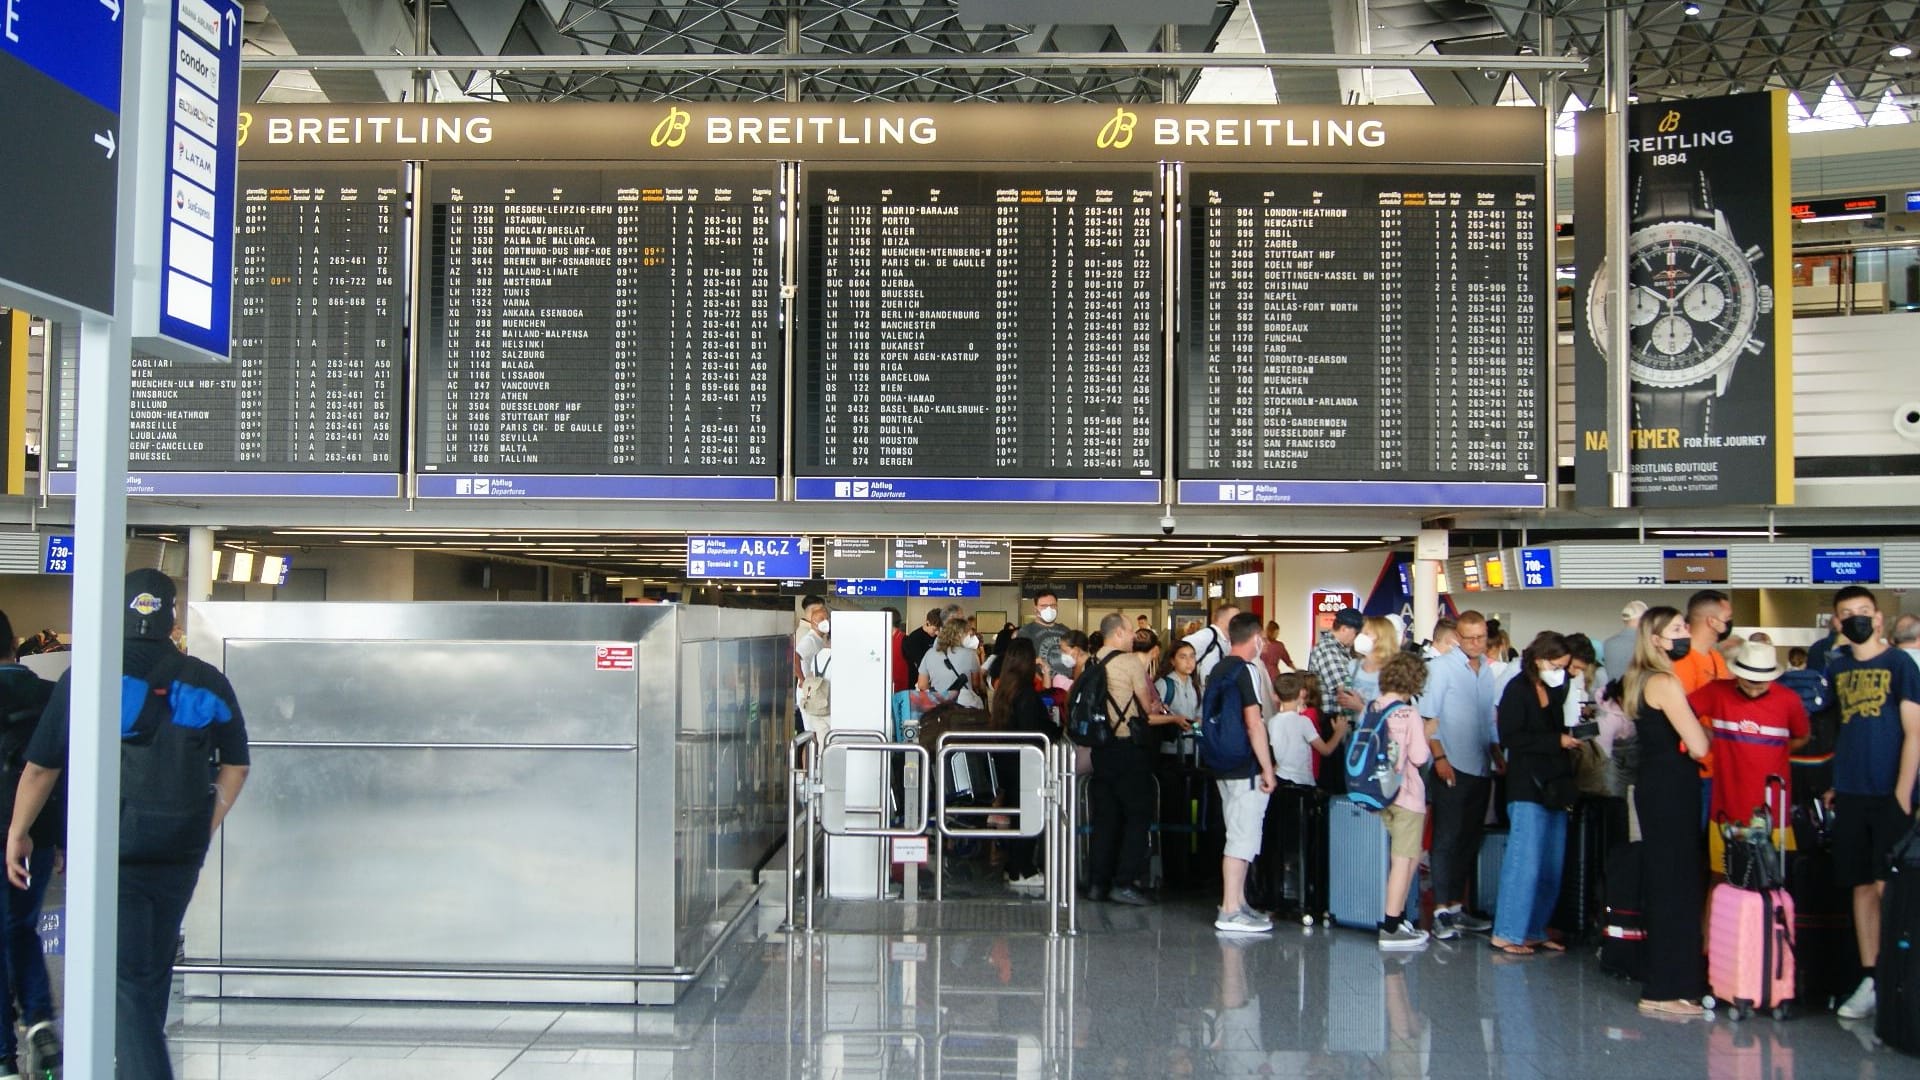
[(1709, 305)]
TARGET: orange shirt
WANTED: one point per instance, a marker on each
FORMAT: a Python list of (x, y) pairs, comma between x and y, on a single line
[(1700, 667)]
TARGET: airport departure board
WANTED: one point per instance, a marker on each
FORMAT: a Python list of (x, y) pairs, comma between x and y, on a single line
[(600, 331), (981, 335), (312, 395), (1357, 327)]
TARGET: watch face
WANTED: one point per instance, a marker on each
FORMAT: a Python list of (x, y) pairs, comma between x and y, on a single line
[(1692, 303)]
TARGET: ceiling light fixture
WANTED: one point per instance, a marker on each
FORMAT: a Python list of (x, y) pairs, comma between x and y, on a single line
[(1692, 9), (1709, 532), (1900, 52)]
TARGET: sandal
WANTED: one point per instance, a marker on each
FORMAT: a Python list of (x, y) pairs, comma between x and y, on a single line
[(1685, 1010), (1509, 948), (1550, 945)]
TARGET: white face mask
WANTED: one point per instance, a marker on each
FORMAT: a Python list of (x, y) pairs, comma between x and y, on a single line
[(971, 641), (1363, 644), (821, 626), (1048, 614), (1554, 677)]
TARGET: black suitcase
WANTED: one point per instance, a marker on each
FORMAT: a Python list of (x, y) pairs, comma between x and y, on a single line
[(1290, 876), (1825, 950), (1623, 925), (1189, 828), (1596, 826), (1896, 1017)]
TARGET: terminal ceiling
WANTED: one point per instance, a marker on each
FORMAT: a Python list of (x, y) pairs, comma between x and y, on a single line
[(1724, 46)]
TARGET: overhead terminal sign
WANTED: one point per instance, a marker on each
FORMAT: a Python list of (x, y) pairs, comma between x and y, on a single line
[(59, 133), (756, 557), (59, 558), (187, 185), (1846, 566)]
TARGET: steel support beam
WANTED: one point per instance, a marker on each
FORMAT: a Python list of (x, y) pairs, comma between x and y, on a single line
[(1023, 61)]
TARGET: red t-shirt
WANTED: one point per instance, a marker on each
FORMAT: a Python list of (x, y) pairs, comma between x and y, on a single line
[(1749, 743)]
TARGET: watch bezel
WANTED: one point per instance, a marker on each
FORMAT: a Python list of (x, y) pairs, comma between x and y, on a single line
[(1743, 294)]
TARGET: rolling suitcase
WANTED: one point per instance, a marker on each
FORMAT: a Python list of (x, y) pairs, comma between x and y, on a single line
[(1750, 930), (1290, 876), (1357, 852), (1486, 873), (1623, 922), (1897, 979)]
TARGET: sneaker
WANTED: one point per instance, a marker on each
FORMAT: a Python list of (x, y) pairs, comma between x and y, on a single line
[(1403, 937), (1125, 894), (44, 1041), (1032, 881), (1446, 925), (1858, 1007), (1468, 923), (1243, 922)]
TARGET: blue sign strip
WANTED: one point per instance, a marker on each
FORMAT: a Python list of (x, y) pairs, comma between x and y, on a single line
[(59, 555), (1536, 568), (895, 588), (695, 488), (1846, 566), (976, 489), (1360, 493), (870, 587), (778, 557), (73, 42), (219, 484), (203, 109)]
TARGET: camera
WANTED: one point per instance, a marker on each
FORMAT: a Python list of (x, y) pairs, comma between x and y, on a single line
[(1166, 525), (1906, 420)]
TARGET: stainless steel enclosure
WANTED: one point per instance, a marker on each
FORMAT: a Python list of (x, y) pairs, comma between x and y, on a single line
[(490, 802)]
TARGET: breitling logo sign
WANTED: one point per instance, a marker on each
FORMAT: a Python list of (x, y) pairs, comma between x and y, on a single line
[(1670, 123), (895, 134)]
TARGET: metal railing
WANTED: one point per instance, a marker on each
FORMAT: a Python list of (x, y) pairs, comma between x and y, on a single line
[(816, 809)]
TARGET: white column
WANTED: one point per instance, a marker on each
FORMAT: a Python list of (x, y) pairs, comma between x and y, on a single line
[(1429, 559)]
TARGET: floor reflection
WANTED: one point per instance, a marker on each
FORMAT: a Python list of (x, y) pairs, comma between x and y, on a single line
[(1137, 994)]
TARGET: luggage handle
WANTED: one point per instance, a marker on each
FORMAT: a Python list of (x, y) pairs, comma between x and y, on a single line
[(1780, 822)]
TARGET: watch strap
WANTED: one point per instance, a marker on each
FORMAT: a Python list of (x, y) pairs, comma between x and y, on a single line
[(1672, 195), (1687, 408)]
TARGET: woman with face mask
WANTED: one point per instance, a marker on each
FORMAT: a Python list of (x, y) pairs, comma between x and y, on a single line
[(952, 667), (1540, 792), (1376, 643), (1667, 798)]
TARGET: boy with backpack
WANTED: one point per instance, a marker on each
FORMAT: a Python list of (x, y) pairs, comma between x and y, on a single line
[(1233, 747), (1383, 773)]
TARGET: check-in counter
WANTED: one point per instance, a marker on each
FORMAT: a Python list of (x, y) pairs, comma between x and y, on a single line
[(490, 802)]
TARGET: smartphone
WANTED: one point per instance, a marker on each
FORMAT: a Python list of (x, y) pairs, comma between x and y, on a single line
[(1588, 730)]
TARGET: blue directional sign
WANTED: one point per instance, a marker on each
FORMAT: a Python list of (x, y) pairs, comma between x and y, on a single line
[(1846, 566), (756, 557), (870, 587), (1536, 568), (946, 590), (59, 132), (59, 555), (202, 153)]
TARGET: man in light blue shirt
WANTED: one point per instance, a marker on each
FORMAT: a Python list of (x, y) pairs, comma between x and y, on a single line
[(1458, 705)]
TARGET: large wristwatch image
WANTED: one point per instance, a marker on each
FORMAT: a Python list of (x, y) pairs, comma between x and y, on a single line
[(1693, 306)]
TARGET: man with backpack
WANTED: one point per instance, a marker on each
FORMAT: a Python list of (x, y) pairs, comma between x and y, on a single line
[(183, 760), (1233, 746), (1113, 689), (1210, 643), (23, 697)]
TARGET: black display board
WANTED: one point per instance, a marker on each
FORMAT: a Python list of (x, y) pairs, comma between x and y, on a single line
[(600, 332), (981, 335), (311, 404), (1364, 337)]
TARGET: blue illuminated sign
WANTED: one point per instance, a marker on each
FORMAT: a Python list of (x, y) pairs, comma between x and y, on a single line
[(1536, 568), (897, 587), (1360, 493), (1913, 202), (777, 557), (76, 43), (976, 489), (1846, 566), (202, 150), (871, 587), (951, 590), (59, 555)]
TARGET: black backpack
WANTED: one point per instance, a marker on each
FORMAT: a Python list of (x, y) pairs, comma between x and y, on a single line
[(21, 703), (1087, 702), (166, 775)]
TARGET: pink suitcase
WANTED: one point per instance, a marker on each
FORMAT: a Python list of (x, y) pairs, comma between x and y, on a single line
[(1750, 950), (1750, 936)]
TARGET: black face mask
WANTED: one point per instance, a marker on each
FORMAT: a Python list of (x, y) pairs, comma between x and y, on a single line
[(1726, 632), (1857, 628), (1679, 648)]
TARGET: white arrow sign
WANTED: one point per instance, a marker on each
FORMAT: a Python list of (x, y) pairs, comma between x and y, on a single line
[(112, 6), (230, 24), (105, 139)]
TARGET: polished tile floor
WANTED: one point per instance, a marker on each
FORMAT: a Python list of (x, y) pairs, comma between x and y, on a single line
[(974, 991)]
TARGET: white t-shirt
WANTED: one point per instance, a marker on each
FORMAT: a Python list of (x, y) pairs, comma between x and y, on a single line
[(1292, 735), (807, 644), (1209, 648), (941, 676)]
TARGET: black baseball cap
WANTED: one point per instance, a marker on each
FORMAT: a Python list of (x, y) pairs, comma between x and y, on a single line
[(149, 612)]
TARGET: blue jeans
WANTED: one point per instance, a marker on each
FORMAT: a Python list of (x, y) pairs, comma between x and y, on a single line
[(30, 996), (1530, 875)]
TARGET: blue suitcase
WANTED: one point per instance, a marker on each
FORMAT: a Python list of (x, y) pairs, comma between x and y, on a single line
[(1357, 852), (1486, 875)]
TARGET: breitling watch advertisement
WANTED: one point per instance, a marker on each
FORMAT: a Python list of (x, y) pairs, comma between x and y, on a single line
[(1708, 305)]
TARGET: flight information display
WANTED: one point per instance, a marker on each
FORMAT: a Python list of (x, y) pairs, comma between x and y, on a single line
[(605, 332), (1365, 338), (310, 404), (993, 336)]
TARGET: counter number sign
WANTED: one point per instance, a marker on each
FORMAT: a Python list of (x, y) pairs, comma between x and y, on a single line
[(1536, 568), (59, 555)]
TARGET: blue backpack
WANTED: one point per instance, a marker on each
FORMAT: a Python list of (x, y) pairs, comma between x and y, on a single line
[(1373, 759), (1224, 747)]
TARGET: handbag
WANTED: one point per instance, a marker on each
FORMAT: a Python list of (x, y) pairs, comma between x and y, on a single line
[(1559, 793)]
